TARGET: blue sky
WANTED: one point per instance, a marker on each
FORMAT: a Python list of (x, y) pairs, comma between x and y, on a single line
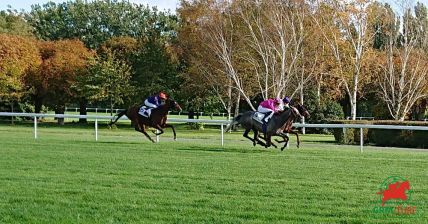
[(160, 4), (26, 4)]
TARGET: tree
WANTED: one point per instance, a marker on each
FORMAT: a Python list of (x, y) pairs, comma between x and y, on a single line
[(344, 26), (404, 75), (95, 22), (202, 72), (62, 62), (18, 55), (12, 22), (108, 80)]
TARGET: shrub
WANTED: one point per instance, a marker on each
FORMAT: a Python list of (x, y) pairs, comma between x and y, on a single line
[(383, 137)]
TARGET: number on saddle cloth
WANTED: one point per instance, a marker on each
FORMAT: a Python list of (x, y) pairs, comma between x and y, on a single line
[(145, 111)]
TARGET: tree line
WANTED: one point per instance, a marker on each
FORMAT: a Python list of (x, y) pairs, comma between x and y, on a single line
[(337, 57)]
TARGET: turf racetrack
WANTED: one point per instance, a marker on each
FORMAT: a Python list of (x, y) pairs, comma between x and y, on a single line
[(67, 177)]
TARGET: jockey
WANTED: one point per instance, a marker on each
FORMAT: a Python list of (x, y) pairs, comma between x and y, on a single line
[(151, 103), (269, 107), (286, 102), (155, 101)]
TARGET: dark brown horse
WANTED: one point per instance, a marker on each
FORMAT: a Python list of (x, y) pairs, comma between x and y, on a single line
[(298, 111), (157, 118)]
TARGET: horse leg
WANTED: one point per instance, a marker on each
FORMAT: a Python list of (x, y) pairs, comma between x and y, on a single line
[(286, 139), (256, 138), (159, 128), (173, 129), (246, 136), (297, 135), (271, 143), (140, 128)]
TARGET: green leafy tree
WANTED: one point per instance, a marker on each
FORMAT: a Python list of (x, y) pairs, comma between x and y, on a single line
[(13, 22), (108, 80), (97, 21)]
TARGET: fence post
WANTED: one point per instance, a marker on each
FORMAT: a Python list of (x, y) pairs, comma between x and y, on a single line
[(288, 143), (222, 135), (35, 127), (361, 140), (96, 129), (303, 129)]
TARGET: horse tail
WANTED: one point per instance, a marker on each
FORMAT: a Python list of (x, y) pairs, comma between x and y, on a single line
[(116, 117), (234, 121)]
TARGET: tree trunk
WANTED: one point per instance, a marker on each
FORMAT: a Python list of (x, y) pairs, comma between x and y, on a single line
[(83, 102), (111, 107), (353, 99), (229, 99), (238, 99), (38, 103), (60, 109), (11, 105)]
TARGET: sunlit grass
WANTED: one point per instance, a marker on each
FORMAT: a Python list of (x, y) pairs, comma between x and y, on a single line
[(65, 176)]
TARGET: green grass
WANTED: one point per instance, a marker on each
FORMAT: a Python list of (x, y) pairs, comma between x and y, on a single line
[(67, 177)]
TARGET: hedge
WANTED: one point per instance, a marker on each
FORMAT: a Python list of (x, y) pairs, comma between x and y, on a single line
[(383, 137)]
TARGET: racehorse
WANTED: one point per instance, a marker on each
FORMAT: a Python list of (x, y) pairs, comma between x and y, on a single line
[(156, 120), (287, 128), (275, 127)]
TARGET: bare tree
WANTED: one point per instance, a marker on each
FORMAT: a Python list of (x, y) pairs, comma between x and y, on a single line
[(405, 71), (220, 37), (345, 29), (274, 36)]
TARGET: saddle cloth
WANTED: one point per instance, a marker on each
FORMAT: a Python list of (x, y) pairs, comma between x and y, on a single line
[(258, 117), (145, 111)]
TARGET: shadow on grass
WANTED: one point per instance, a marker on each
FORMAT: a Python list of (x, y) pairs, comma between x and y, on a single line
[(228, 149)]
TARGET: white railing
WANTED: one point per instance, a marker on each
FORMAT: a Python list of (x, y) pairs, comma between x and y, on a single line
[(116, 110), (35, 116), (216, 122)]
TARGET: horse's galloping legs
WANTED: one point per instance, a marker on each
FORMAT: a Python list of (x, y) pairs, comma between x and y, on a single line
[(246, 136), (173, 129), (286, 139), (297, 135), (268, 138), (140, 128), (256, 138), (159, 128), (264, 138)]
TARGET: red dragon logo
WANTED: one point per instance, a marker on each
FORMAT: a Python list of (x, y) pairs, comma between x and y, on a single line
[(395, 190)]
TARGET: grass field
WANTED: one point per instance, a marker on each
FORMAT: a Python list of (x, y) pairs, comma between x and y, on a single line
[(67, 177)]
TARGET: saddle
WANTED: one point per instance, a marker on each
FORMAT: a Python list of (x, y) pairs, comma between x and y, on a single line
[(258, 116), (145, 111)]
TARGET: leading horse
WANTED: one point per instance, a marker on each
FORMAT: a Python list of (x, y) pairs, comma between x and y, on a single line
[(156, 120), (276, 126)]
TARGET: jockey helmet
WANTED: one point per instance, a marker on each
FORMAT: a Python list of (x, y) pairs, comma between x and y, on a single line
[(286, 99), (162, 95)]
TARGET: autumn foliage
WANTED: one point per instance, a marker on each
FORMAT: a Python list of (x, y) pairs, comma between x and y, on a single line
[(18, 55)]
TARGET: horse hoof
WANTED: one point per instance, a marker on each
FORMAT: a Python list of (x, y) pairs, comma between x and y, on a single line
[(282, 149)]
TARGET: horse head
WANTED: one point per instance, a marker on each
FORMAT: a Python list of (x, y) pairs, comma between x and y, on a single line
[(302, 110), (171, 104)]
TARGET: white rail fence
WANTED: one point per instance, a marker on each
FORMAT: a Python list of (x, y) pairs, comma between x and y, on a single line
[(222, 123)]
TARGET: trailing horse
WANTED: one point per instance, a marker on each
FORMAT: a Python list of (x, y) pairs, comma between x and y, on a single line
[(156, 120)]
